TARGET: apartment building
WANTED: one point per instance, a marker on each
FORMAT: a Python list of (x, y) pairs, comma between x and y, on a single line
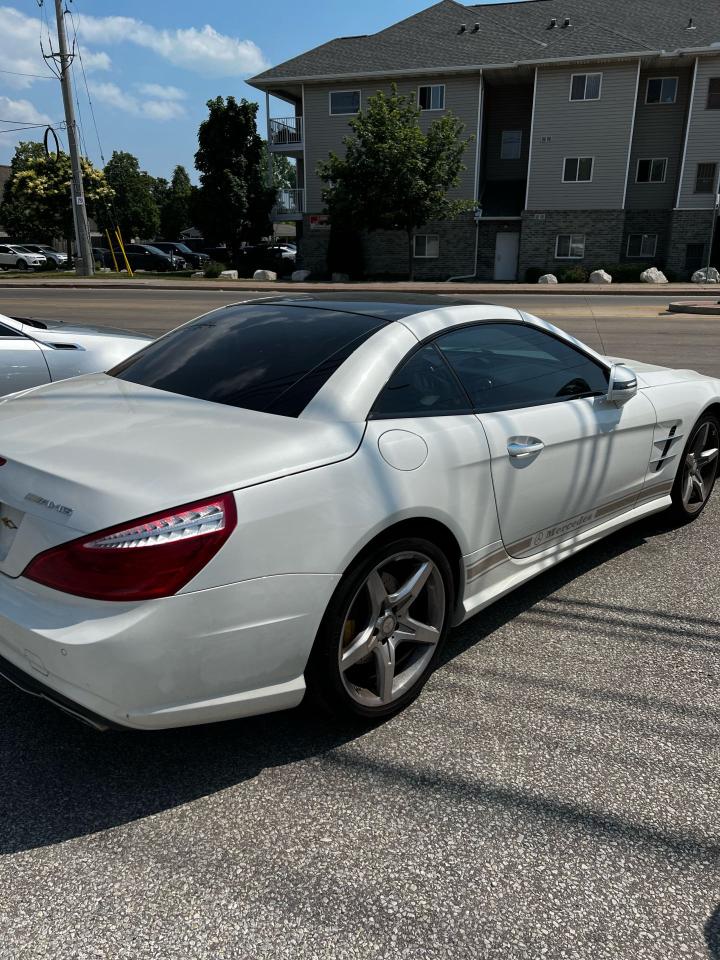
[(595, 126)]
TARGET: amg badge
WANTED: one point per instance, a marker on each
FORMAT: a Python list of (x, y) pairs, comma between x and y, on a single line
[(50, 504)]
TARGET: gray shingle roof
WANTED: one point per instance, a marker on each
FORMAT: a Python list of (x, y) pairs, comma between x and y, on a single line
[(509, 33)]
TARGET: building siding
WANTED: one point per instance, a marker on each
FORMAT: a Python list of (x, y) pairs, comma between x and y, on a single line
[(506, 108), (325, 133), (589, 128), (659, 132), (703, 138)]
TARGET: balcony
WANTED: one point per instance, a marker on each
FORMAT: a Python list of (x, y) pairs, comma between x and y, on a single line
[(286, 134), (289, 205)]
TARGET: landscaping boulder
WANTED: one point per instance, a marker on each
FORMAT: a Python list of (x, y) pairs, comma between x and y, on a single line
[(548, 278), (340, 278), (653, 275), (264, 275), (600, 276), (228, 274), (706, 276), (299, 276)]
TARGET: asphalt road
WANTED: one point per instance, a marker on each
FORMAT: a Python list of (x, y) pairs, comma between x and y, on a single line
[(633, 326), (553, 794)]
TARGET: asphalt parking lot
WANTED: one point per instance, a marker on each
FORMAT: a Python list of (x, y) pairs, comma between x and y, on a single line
[(553, 794)]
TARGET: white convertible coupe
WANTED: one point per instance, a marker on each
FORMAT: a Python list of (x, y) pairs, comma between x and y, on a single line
[(295, 492)]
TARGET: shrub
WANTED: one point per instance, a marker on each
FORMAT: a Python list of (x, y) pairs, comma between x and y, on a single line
[(576, 274), (533, 274), (213, 270)]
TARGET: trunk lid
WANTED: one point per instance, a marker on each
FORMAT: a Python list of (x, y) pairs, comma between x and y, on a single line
[(88, 453)]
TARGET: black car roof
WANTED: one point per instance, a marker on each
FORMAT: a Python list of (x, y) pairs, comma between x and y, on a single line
[(388, 307)]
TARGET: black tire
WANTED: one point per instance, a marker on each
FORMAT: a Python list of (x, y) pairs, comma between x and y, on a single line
[(686, 508), (21, 265), (328, 686)]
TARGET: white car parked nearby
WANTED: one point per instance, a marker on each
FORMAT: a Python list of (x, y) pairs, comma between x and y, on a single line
[(301, 492), (20, 258), (57, 257), (33, 352)]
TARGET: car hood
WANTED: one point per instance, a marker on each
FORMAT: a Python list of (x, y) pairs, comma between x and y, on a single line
[(653, 375), (83, 334), (96, 451)]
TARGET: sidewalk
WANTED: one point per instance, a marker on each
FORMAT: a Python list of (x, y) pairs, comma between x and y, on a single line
[(670, 290)]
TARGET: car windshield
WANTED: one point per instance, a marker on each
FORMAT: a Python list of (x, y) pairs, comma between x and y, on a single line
[(155, 250), (268, 357), (19, 249), (182, 248)]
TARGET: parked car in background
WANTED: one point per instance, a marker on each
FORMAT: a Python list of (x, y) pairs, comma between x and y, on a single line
[(55, 258), (263, 256), (288, 251), (193, 257), (33, 352), (102, 256), (145, 256), (12, 255)]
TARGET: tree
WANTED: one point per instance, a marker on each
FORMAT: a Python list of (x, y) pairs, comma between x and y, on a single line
[(135, 209), (234, 199), (175, 211), (36, 199), (284, 172), (394, 176)]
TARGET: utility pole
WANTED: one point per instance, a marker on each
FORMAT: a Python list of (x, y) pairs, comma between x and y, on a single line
[(84, 266)]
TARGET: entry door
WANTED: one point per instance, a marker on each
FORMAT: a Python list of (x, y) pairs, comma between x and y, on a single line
[(507, 246), (562, 458), (22, 363)]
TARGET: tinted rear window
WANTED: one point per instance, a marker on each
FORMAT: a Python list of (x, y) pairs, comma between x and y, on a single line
[(273, 358)]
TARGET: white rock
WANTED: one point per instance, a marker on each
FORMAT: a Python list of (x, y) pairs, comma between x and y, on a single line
[(264, 275), (340, 278), (548, 278), (653, 275), (600, 276), (299, 275), (229, 275), (706, 276)]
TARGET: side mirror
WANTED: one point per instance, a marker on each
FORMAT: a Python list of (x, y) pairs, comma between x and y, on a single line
[(623, 384)]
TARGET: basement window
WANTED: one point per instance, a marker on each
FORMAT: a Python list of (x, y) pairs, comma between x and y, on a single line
[(570, 246), (426, 246), (642, 245)]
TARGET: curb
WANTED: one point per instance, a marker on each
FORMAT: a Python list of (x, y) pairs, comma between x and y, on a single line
[(708, 307), (280, 287)]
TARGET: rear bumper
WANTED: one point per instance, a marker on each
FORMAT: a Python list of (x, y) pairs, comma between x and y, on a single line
[(215, 654)]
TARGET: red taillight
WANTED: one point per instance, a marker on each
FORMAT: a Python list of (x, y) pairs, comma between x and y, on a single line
[(151, 557)]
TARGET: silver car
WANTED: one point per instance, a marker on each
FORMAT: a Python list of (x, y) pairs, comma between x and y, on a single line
[(56, 257), (33, 352), (19, 257)]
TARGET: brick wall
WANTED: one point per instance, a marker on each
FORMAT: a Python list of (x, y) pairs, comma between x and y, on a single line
[(648, 221), (688, 226), (603, 231)]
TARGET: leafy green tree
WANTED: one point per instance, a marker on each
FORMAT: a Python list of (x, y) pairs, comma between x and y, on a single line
[(36, 199), (284, 171), (233, 200), (393, 175), (135, 208), (175, 211)]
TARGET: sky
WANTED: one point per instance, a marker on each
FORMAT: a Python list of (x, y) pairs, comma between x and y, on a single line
[(150, 67)]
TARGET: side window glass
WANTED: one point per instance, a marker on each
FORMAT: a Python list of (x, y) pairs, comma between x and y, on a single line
[(8, 332), (422, 386), (504, 366)]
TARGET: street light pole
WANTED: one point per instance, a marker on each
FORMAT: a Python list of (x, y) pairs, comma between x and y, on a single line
[(84, 266)]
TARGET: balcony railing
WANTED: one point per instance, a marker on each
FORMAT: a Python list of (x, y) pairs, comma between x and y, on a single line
[(289, 203), (287, 131)]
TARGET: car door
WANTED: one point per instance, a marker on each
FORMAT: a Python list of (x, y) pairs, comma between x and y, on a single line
[(7, 257), (22, 362), (562, 457)]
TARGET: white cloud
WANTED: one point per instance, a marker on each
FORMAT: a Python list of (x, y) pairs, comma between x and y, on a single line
[(150, 108), (203, 50), (160, 92), (24, 113), (20, 51)]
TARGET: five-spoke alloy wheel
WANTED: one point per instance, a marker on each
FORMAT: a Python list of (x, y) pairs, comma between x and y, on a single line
[(383, 630), (698, 470)]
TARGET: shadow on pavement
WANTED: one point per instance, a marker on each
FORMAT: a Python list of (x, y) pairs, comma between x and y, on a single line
[(712, 934), (59, 780)]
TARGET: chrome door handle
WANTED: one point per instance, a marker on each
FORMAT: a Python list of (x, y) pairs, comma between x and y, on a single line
[(518, 449)]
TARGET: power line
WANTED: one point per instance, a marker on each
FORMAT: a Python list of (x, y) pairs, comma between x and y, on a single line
[(76, 45), (16, 73)]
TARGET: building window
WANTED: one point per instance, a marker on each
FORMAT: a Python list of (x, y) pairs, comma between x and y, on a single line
[(661, 90), (578, 169), (713, 100), (651, 171), (432, 98), (585, 86), (511, 145), (570, 246), (427, 246), (642, 245), (344, 102), (706, 178)]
